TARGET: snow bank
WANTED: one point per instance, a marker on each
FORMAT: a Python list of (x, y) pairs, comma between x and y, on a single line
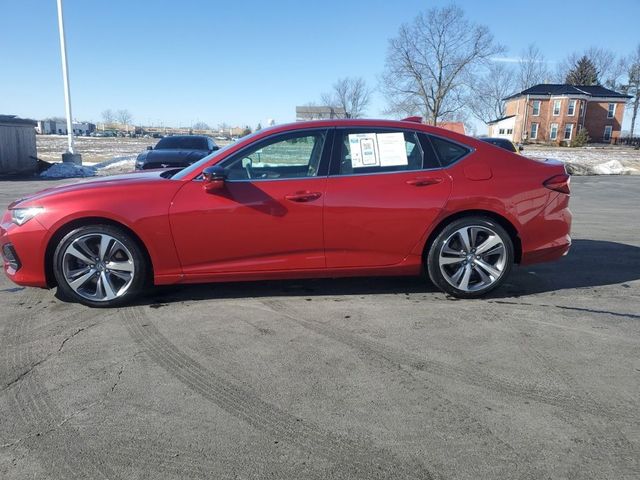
[(68, 170), (110, 167), (592, 160)]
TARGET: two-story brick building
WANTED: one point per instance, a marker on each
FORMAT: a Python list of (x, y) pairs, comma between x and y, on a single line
[(555, 113)]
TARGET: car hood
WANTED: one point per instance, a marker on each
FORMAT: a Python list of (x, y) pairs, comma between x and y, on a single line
[(129, 179)]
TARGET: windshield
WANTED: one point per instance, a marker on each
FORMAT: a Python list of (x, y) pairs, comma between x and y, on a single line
[(186, 143)]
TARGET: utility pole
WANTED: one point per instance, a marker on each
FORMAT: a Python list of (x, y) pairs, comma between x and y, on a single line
[(70, 155)]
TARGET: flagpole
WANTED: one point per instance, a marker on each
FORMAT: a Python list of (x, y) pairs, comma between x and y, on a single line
[(70, 155)]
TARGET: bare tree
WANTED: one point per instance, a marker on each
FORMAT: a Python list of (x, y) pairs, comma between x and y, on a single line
[(432, 61), (532, 68), (633, 87), (124, 117), (107, 116), (200, 126), (350, 94), (486, 100)]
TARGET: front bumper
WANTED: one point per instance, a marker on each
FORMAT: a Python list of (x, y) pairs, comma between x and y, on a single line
[(27, 245)]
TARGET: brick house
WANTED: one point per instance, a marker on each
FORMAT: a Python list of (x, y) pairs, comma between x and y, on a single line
[(555, 113)]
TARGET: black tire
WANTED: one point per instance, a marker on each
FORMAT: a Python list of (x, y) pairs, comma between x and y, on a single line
[(138, 260), (447, 233)]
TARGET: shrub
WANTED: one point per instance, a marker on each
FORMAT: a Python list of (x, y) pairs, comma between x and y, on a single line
[(581, 139)]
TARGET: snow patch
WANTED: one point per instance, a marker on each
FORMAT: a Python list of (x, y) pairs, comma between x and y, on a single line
[(68, 170), (612, 167)]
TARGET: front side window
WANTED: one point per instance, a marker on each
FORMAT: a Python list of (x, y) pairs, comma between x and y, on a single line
[(294, 155), (536, 108), (556, 107), (534, 131), (607, 133), (571, 109), (568, 131), (368, 151), (553, 131), (611, 111)]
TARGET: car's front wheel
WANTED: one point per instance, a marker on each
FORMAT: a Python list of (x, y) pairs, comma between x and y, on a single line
[(470, 257), (99, 266)]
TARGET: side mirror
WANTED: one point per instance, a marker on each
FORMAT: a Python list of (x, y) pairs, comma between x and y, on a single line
[(520, 148), (214, 178), (149, 148)]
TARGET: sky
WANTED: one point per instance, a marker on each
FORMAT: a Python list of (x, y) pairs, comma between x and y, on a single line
[(243, 62)]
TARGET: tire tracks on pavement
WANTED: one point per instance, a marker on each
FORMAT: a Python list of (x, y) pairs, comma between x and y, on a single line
[(43, 425), (355, 458), (469, 376)]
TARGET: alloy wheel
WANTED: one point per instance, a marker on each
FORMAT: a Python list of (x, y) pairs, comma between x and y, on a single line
[(472, 258), (98, 267)]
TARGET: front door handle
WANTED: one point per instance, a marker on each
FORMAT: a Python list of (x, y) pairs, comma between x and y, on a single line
[(303, 196), (423, 181)]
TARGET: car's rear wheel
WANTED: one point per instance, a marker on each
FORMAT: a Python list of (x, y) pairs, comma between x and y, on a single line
[(470, 257), (99, 266)]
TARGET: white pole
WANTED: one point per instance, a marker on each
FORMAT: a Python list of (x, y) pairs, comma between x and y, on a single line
[(65, 76)]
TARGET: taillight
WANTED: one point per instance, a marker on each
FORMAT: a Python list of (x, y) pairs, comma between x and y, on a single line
[(559, 183)]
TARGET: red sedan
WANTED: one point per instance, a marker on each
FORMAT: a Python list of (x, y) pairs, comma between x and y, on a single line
[(317, 199)]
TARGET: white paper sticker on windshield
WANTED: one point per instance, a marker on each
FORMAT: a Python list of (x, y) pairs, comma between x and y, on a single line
[(377, 150), (364, 150), (392, 150)]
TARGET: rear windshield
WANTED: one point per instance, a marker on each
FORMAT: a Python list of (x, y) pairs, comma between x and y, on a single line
[(186, 143)]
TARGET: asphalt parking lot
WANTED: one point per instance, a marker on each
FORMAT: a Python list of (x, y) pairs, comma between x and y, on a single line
[(357, 378)]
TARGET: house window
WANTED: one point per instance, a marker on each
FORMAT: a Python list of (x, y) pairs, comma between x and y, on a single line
[(571, 109), (612, 110), (509, 131), (607, 133), (568, 131), (501, 131), (534, 131), (553, 131), (556, 107), (536, 108)]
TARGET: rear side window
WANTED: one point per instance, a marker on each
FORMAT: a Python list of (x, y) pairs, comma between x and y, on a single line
[(448, 152), (365, 151)]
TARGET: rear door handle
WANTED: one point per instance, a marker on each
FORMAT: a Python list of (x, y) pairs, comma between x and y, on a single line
[(302, 197), (423, 182)]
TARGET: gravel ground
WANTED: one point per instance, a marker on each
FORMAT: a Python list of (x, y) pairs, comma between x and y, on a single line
[(328, 379)]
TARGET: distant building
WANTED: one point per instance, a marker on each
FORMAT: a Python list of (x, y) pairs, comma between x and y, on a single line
[(17, 145), (56, 127), (306, 113), (502, 127), (555, 113), (457, 127)]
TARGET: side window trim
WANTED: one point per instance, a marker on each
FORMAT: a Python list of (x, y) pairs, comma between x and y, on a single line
[(325, 155)]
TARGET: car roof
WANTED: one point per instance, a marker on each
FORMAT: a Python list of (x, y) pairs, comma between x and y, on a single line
[(377, 123), (186, 136)]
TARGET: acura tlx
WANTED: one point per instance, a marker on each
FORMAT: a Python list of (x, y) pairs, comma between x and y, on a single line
[(331, 198)]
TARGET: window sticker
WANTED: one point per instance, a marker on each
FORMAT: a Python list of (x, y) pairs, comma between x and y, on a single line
[(377, 150)]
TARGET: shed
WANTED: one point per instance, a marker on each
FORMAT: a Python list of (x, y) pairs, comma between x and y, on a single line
[(17, 145)]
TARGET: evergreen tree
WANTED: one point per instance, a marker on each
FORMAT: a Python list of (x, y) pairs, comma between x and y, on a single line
[(583, 73)]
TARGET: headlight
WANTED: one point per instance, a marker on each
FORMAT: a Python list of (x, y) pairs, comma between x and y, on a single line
[(20, 216)]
